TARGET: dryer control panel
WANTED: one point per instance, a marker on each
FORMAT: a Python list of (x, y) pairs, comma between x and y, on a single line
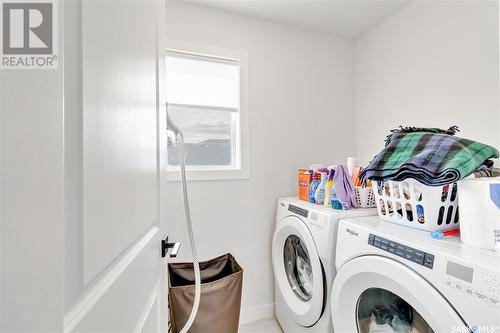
[(314, 218), (473, 281), (403, 251), (297, 210)]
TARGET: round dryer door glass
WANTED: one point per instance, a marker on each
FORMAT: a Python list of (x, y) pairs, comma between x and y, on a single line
[(380, 310), (298, 267)]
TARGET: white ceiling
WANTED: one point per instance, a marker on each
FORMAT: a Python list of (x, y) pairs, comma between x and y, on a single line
[(349, 18)]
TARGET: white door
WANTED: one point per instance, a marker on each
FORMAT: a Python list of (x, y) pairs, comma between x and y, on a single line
[(297, 270), (115, 135), (378, 294)]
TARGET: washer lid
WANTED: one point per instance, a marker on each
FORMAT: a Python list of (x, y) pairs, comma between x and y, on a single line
[(369, 288), (298, 271)]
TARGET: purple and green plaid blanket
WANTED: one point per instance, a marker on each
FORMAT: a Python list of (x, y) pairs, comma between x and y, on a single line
[(432, 156)]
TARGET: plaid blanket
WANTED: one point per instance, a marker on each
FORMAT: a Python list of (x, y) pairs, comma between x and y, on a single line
[(433, 157)]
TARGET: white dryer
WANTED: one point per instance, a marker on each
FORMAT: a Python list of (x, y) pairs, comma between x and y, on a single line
[(303, 255), (391, 278)]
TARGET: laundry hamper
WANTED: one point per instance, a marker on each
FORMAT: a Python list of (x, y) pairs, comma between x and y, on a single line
[(413, 204), (364, 197), (221, 283)]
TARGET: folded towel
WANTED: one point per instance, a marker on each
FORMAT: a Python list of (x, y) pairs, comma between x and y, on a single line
[(432, 156)]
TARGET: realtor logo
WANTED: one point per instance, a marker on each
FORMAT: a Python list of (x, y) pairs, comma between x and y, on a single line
[(29, 34)]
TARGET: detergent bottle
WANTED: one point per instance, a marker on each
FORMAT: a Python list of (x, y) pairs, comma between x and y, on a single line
[(316, 180), (319, 195), (304, 182), (328, 187), (334, 201)]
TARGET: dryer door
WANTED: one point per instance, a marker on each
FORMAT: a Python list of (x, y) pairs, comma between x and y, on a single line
[(378, 294), (298, 271)]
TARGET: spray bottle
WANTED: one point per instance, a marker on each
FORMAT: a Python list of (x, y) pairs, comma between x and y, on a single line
[(316, 180), (334, 202), (328, 186), (319, 195)]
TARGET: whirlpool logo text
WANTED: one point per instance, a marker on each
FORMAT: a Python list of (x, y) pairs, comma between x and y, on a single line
[(352, 233)]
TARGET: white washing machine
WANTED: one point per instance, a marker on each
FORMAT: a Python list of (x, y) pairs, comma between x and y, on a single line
[(391, 278), (303, 254)]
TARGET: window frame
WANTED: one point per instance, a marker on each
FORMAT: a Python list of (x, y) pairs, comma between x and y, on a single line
[(239, 124)]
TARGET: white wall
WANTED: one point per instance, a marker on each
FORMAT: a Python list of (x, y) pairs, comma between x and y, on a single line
[(435, 63), (301, 111)]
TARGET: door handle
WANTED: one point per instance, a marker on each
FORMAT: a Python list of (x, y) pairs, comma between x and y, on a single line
[(165, 246)]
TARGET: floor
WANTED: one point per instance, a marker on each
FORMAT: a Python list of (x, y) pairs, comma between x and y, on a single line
[(261, 326)]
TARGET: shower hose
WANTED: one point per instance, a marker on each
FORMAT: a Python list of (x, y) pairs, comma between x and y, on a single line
[(189, 226)]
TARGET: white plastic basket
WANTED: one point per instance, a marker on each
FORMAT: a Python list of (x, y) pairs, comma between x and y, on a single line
[(415, 205), (364, 197)]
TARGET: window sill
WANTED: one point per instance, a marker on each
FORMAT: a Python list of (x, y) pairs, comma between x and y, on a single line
[(200, 175)]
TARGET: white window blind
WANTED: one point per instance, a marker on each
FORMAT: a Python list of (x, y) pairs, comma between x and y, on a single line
[(203, 96), (202, 81)]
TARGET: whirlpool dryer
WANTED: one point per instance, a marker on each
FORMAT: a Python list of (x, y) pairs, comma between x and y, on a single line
[(303, 254), (391, 278)]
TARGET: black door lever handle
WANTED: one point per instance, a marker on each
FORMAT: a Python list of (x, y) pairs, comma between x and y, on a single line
[(165, 246)]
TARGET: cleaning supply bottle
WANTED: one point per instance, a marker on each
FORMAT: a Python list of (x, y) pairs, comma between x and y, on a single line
[(304, 182), (334, 201), (319, 195), (316, 180), (352, 162), (328, 187)]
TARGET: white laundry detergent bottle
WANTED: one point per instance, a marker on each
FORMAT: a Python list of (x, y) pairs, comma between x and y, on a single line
[(479, 202)]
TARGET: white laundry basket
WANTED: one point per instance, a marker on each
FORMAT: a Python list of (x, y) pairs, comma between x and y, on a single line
[(415, 205), (364, 197)]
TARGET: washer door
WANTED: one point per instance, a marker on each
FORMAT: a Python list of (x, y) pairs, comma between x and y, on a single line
[(298, 271), (378, 294)]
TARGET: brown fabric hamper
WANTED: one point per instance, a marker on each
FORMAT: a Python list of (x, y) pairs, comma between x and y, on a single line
[(221, 283)]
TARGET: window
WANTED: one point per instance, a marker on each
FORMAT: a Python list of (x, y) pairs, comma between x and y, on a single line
[(206, 96)]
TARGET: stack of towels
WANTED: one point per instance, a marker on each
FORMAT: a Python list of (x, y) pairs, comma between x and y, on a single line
[(432, 156)]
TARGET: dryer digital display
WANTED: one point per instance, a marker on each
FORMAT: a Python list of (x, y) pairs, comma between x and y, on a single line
[(461, 272)]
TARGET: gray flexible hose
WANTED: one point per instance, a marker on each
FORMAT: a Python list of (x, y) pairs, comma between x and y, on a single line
[(189, 226)]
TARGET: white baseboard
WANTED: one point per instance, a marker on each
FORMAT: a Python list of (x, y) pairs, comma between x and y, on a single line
[(257, 313)]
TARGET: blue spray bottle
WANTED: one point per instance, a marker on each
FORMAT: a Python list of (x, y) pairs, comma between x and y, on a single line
[(319, 195), (316, 180)]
